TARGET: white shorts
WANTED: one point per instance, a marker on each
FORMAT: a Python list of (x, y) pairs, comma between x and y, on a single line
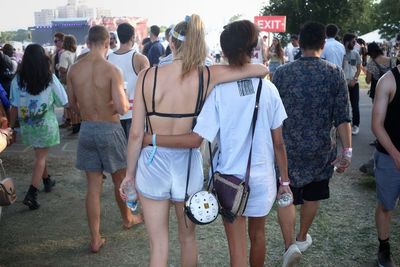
[(165, 177)]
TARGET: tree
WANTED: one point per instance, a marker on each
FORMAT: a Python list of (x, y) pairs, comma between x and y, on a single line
[(388, 18), (348, 15), (20, 36), (235, 17)]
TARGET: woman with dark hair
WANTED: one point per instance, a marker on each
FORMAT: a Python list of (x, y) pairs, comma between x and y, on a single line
[(378, 65), (227, 119), (35, 91), (275, 56)]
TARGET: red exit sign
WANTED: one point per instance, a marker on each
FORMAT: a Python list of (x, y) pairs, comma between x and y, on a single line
[(271, 23)]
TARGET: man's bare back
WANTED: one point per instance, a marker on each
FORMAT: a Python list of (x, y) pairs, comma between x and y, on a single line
[(96, 88)]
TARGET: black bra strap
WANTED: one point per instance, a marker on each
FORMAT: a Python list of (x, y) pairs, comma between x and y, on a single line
[(153, 102), (144, 101)]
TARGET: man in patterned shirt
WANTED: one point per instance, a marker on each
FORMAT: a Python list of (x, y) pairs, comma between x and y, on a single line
[(315, 96)]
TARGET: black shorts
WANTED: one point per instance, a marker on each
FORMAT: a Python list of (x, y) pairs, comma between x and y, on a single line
[(313, 191)]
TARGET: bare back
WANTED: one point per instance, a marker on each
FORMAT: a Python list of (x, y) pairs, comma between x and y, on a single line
[(97, 89), (173, 95)]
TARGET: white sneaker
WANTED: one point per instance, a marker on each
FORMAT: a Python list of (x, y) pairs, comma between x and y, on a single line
[(292, 256), (355, 130), (304, 245)]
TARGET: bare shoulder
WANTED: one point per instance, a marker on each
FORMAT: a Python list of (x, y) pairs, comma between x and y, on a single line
[(387, 82), (141, 62)]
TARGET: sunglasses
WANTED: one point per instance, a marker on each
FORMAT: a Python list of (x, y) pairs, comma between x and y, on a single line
[(56, 41)]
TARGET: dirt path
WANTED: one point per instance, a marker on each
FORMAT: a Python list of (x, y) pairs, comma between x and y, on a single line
[(57, 234)]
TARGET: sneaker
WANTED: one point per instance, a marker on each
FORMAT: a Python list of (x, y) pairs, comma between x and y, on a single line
[(292, 256), (355, 130), (368, 168), (48, 184), (385, 259), (304, 245)]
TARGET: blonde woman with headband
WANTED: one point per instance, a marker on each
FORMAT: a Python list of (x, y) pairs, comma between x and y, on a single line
[(165, 98)]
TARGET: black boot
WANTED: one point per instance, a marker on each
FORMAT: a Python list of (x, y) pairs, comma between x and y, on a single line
[(76, 128), (48, 184), (31, 198)]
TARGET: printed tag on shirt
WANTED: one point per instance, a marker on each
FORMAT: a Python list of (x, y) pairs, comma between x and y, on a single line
[(245, 87)]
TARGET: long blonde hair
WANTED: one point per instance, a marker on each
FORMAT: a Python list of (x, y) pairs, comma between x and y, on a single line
[(192, 50)]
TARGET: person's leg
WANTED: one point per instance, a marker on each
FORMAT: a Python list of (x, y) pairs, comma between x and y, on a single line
[(187, 237), (30, 199), (257, 240), (45, 173), (382, 220), (356, 105), (307, 214), (39, 165), (354, 95), (287, 222), (128, 218), (94, 187), (236, 235), (156, 221)]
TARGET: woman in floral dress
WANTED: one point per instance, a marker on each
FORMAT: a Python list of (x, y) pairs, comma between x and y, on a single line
[(35, 91)]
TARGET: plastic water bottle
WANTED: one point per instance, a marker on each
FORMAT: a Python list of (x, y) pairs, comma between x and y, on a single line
[(285, 200), (130, 192)]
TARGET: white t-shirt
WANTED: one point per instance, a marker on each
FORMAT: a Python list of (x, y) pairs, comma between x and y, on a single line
[(227, 116), (67, 58)]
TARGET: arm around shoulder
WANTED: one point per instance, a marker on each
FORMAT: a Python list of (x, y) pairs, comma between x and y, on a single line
[(227, 73)]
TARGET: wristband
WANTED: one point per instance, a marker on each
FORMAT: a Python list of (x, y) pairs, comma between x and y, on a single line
[(347, 152), (153, 152), (283, 183)]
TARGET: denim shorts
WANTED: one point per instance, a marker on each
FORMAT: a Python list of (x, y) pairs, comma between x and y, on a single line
[(387, 178)]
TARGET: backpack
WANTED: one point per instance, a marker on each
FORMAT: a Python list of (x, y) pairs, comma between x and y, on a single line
[(6, 68)]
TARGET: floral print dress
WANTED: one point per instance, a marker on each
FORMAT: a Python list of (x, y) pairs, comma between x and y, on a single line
[(38, 121)]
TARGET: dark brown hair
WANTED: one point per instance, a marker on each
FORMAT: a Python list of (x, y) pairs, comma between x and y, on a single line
[(238, 40), (34, 73), (69, 43), (59, 35)]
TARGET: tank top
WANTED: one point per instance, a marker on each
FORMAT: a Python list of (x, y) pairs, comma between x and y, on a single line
[(124, 62), (392, 123)]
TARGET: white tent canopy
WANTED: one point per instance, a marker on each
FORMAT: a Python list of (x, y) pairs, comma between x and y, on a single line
[(373, 36)]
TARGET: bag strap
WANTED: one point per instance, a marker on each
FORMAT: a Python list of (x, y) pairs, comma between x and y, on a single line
[(2, 168), (197, 110), (254, 120), (253, 127)]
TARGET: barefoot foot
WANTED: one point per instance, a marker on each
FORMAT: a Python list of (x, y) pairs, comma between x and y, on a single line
[(136, 219), (95, 247)]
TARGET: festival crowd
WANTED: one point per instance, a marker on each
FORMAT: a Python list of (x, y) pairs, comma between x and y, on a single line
[(142, 112)]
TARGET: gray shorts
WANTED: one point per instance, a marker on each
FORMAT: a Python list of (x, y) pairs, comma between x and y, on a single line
[(387, 178), (101, 147), (165, 177)]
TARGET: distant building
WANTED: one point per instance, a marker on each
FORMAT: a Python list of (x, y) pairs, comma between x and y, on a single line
[(101, 12), (79, 27), (67, 11), (44, 17)]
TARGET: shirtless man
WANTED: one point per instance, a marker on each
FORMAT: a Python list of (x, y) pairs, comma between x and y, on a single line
[(96, 92)]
